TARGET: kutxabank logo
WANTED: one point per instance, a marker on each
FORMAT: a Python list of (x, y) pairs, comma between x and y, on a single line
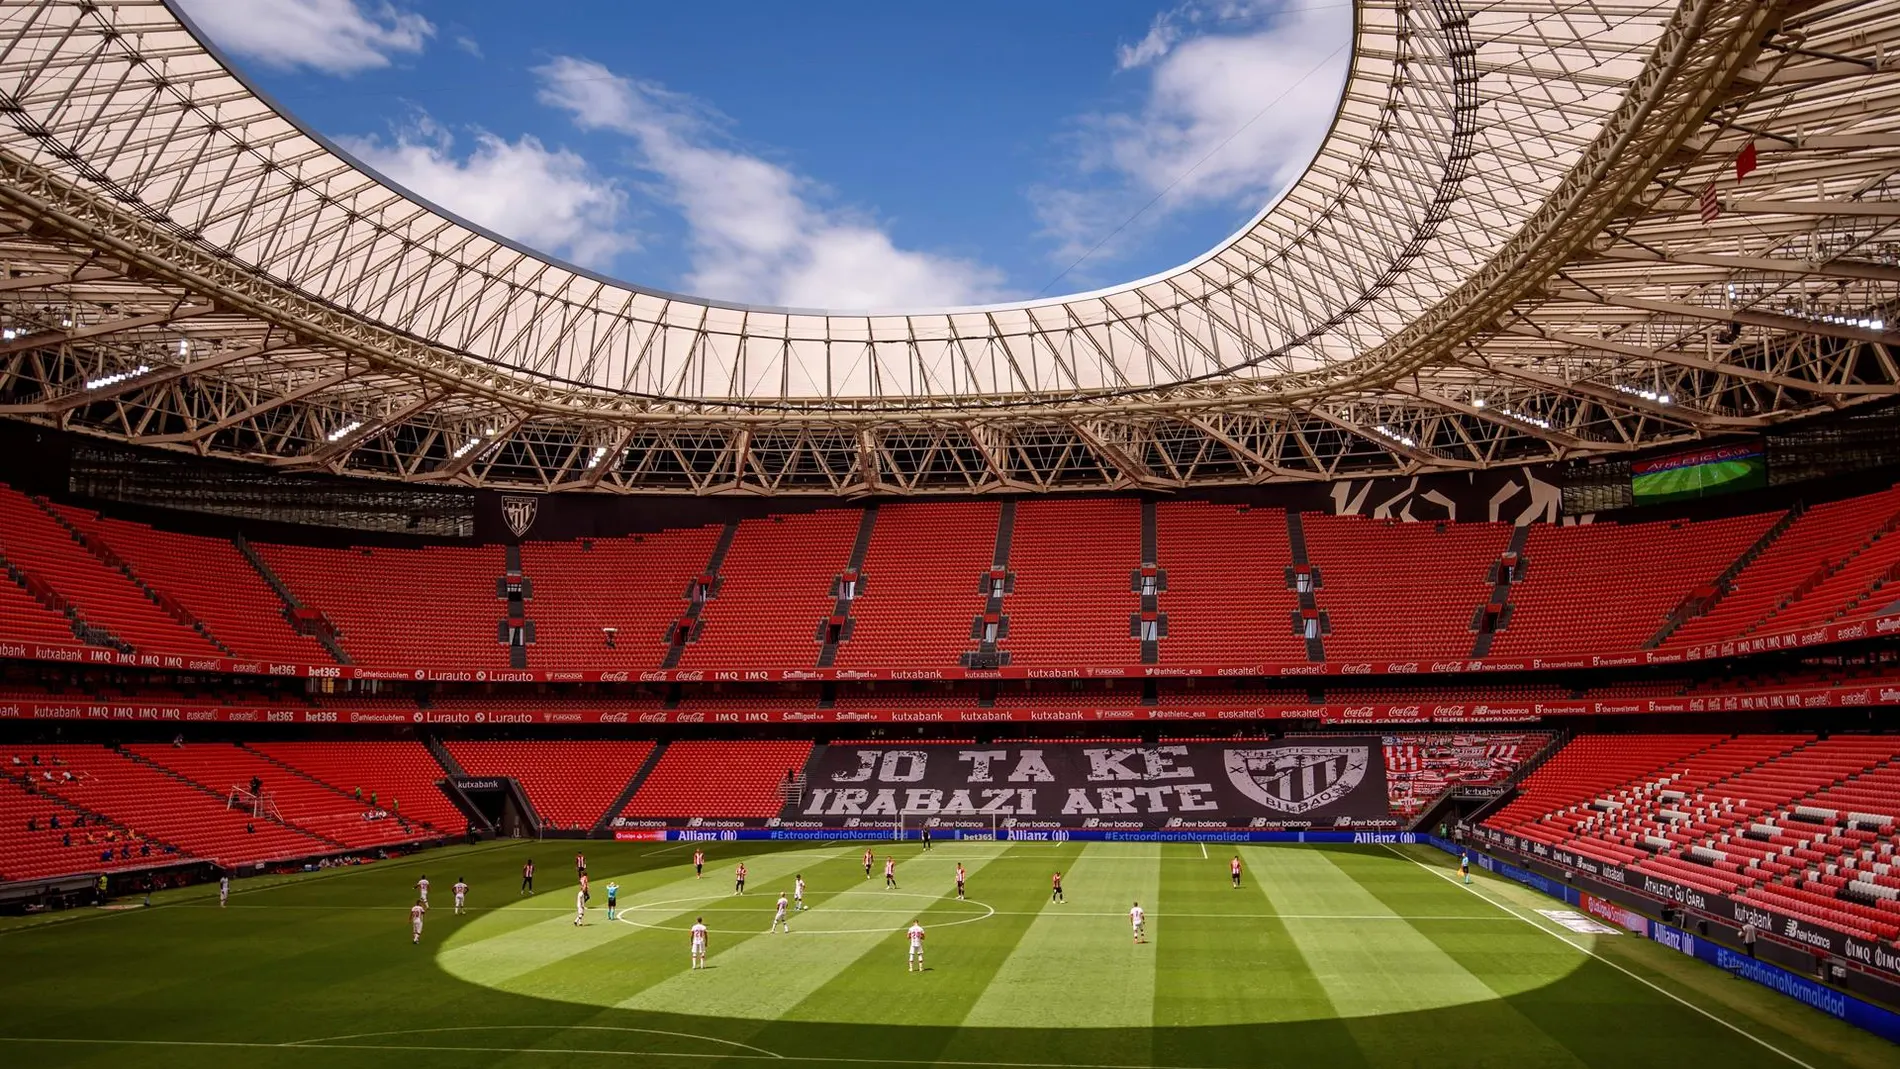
[(519, 512), (1297, 779)]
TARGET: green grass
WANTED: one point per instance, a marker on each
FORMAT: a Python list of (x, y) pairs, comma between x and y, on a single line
[(1326, 957)]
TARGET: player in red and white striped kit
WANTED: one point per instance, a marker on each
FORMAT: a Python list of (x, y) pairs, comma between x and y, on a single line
[(415, 920)]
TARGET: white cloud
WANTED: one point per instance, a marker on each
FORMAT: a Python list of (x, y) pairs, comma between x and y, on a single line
[(756, 231), (1238, 96), (333, 36), (469, 45), (547, 198)]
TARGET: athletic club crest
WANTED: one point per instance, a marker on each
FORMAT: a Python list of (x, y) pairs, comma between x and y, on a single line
[(520, 512), (1297, 779)]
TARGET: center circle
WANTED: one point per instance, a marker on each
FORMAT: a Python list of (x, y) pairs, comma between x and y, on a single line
[(830, 908)]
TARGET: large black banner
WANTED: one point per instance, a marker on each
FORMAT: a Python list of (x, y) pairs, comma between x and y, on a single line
[(1337, 782)]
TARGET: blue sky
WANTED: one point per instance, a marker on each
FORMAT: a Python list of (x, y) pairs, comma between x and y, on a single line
[(847, 154)]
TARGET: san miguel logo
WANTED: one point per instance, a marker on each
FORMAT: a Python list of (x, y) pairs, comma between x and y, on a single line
[(1297, 779), (520, 512)]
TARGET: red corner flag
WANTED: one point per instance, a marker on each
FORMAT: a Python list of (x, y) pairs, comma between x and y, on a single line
[(1745, 162)]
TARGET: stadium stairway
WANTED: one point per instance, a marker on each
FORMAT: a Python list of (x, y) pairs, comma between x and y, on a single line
[(619, 805), (1309, 621), (443, 756), (1495, 614), (845, 588), (1701, 603), (701, 590), (1149, 624), (991, 626), (301, 618)]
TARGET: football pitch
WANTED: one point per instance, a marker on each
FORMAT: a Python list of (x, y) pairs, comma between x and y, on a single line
[(1325, 956)]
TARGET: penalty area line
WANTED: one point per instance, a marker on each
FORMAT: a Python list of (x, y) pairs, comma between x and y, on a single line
[(1645, 981)]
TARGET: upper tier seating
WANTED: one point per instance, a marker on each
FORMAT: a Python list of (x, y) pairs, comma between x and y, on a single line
[(158, 805), (1610, 587), (432, 606), (1401, 590), (1817, 542), (1390, 591), (402, 775), (104, 597), (1227, 600), (301, 802), (775, 592), (712, 778), (1073, 559), (637, 586), (917, 603), (212, 580), (570, 784)]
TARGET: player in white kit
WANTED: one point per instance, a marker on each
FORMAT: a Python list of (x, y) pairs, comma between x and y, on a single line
[(224, 890), (1136, 917), (422, 892), (461, 892), (915, 933), (798, 892), (415, 920), (781, 921), (580, 908), (699, 942)]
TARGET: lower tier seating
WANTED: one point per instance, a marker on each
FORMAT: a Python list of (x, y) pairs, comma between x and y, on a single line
[(398, 776), (152, 803), (710, 778), (300, 801), (570, 784), (1803, 825)]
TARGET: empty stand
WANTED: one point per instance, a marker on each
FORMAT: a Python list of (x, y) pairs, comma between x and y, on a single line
[(915, 608), (1812, 548), (570, 784), (776, 592), (635, 586), (1072, 559), (707, 778), (1227, 599), (1401, 590), (33, 540), (210, 578), (1610, 586), (431, 606)]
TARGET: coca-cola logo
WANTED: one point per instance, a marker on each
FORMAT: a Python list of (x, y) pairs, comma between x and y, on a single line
[(1363, 668), (652, 718), (689, 677)]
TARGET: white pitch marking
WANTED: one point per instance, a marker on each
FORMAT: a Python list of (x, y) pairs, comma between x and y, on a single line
[(569, 1051), (1645, 981), (331, 1040)]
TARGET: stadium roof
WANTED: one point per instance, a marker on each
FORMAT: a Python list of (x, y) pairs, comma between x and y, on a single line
[(1536, 230)]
